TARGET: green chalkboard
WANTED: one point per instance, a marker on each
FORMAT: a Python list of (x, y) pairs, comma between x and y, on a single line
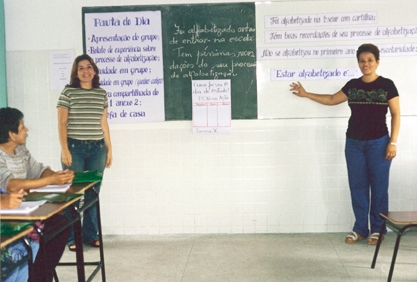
[(205, 41)]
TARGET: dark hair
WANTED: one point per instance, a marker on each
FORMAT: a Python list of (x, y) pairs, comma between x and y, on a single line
[(368, 47), (74, 80), (9, 119)]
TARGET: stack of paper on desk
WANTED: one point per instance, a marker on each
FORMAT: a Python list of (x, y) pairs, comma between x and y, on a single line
[(24, 207), (53, 188)]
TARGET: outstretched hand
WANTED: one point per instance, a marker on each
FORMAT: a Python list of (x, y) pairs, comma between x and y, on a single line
[(298, 89)]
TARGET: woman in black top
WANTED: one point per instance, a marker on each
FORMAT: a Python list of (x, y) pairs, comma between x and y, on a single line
[(369, 147)]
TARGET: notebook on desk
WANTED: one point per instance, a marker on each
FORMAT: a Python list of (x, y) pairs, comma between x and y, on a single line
[(52, 188), (24, 207)]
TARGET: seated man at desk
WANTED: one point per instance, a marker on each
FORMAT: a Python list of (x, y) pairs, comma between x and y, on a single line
[(16, 250), (19, 170)]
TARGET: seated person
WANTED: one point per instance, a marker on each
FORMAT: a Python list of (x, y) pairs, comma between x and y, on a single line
[(16, 250), (19, 170)]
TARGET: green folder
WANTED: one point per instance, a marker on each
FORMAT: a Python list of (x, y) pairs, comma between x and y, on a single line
[(87, 176), (12, 228)]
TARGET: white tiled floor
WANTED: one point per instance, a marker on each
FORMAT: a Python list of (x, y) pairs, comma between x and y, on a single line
[(261, 257)]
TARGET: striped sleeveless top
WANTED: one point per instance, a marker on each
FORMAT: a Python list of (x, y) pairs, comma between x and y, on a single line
[(85, 109)]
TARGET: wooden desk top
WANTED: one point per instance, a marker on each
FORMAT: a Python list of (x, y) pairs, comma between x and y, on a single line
[(49, 209), (43, 212), (6, 240), (80, 188), (400, 217)]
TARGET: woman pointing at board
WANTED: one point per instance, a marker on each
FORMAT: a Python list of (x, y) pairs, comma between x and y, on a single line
[(369, 147)]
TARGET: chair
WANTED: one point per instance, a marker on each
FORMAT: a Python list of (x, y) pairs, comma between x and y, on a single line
[(400, 222)]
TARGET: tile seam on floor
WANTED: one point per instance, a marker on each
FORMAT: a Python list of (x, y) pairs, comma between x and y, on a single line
[(340, 259), (188, 259)]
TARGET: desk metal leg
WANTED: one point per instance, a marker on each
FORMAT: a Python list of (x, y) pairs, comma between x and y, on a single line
[(78, 240), (30, 255), (394, 257), (79, 250), (80, 263), (42, 256), (378, 244), (103, 272), (100, 265), (397, 245)]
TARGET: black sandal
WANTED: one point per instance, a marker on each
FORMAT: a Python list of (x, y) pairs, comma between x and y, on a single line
[(95, 243), (72, 247)]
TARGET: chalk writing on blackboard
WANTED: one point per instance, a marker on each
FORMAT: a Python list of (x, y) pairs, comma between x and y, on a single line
[(194, 50), (211, 42), (199, 41)]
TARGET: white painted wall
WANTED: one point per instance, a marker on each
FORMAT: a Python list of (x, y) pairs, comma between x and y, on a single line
[(268, 176)]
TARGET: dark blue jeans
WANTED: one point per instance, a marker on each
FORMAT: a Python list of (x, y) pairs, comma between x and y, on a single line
[(368, 173), (87, 155), (17, 250)]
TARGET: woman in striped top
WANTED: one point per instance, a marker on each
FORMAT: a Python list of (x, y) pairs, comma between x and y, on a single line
[(84, 134)]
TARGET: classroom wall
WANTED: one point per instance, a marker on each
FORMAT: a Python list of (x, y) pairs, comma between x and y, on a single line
[(3, 94), (267, 176)]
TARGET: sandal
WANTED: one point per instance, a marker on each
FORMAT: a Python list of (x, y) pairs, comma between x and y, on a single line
[(72, 247), (373, 240), (95, 243), (353, 238)]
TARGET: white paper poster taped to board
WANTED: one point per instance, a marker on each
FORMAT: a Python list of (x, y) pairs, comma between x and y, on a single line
[(297, 41), (127, 48), (314, 74), (60, 63), (212, 106), (332, 52)]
